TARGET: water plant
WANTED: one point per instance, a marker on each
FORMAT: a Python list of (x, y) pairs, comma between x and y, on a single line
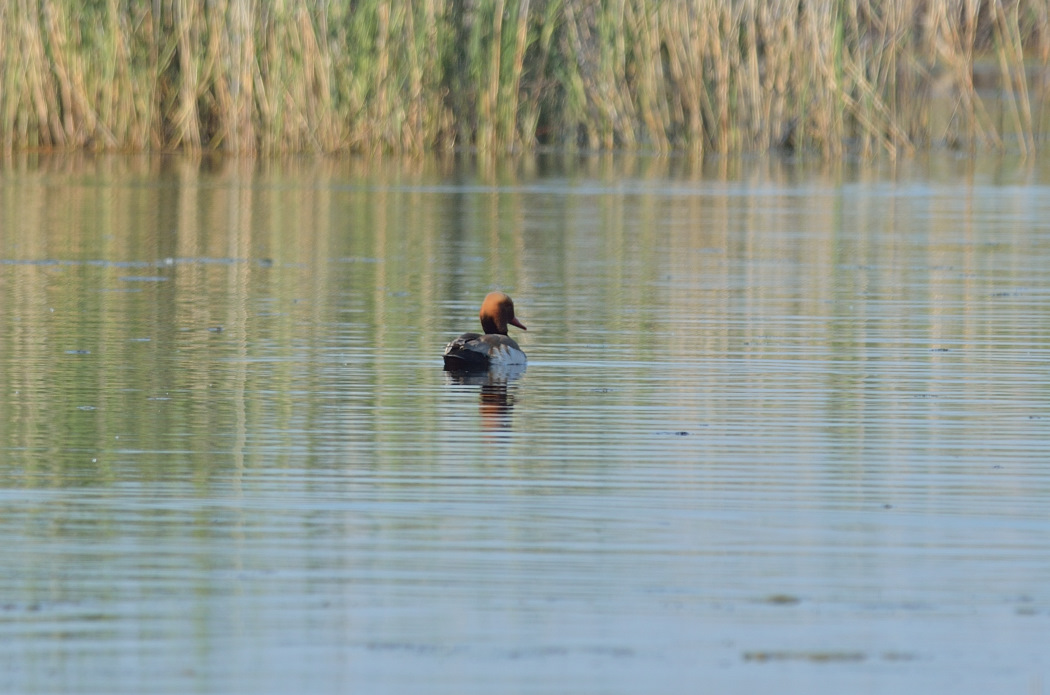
[(504, 75)]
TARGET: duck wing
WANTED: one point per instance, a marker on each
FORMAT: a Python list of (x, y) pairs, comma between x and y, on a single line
[(467, 352)]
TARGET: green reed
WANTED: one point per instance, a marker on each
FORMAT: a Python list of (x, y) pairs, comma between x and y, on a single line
[(501, 75)]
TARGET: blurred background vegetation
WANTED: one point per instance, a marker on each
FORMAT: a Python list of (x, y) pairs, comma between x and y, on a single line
[(724, 76)]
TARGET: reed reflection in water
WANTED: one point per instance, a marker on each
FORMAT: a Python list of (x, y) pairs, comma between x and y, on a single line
[(782, 427)]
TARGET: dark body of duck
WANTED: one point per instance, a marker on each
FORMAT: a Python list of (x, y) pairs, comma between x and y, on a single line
[(477, 351)]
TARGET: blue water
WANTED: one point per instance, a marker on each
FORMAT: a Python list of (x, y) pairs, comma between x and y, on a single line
[(783, 428)]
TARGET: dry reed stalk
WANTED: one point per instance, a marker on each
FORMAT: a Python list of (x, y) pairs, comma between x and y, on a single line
[(116, 106), (326, 132), (37, 93), (650, 81), (502, 74), (8, 105), (685, 73), (717, 25), (615, 69), (821, 119), (290, 83), (239, 89), (323, 130), (1042, 51), (954, 36), (380, 112), (433, 39), (186, 121), (1011, 65), (266, 104), (751, 94), (576, 100), (413, 127), (538, 88), (776, 26), (575, 107), (511, 90), (499, 51), (602, 55), (66, 106), (488, 87)]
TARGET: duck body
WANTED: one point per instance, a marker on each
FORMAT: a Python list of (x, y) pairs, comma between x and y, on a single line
[(480, 351), (474, 351)]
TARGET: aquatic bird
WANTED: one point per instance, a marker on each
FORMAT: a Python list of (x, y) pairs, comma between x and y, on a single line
[(475, 351)]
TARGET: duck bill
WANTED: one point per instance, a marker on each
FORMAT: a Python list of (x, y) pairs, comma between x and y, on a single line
[(519, 324)]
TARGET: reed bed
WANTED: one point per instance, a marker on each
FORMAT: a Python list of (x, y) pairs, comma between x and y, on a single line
[(724, 76)]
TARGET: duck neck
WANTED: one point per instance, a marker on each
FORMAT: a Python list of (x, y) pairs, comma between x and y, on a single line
[(488, 324)]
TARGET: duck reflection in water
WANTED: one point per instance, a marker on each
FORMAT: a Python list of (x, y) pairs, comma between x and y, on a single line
[(496, 400)]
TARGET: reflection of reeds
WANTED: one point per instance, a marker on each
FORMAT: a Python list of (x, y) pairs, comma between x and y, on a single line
[(509, 74)]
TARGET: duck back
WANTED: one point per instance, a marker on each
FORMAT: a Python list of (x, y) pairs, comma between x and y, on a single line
[(473, 351)]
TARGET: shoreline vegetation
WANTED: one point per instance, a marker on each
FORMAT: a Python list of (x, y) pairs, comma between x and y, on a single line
[(831, 77)]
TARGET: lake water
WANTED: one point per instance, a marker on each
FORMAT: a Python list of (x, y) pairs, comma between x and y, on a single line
[(784, 427)]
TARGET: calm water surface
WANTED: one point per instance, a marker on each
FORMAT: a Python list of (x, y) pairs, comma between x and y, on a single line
[(783, 429)]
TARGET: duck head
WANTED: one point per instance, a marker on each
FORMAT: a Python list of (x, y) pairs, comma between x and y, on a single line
[(497, 311)]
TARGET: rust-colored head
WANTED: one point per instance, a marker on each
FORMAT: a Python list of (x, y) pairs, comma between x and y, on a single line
[(497, 311)]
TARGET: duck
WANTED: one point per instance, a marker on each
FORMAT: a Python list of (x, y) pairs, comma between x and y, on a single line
[(477, 351)]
